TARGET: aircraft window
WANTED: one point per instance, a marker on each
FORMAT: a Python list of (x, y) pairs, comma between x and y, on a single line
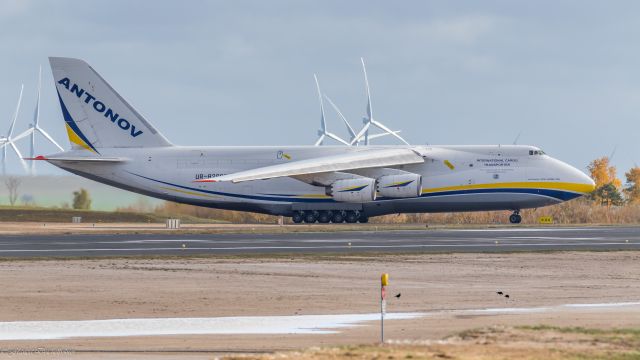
[(530, 152)]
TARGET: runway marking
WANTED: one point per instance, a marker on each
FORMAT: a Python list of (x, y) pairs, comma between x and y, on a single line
[(518, 229), (484, 245)]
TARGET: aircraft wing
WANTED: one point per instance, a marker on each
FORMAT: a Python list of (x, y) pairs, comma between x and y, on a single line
[(349, 161)]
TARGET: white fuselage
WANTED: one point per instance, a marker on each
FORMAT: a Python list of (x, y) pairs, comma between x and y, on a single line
[(454, 178)]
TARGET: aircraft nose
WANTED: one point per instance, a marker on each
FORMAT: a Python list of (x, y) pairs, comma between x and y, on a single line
[(590, 184), (587, 185)]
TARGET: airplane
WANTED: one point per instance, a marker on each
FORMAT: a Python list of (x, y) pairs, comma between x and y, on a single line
[(114, 144)]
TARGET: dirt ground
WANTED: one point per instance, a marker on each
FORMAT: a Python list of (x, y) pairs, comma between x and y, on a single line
[(290, 285)]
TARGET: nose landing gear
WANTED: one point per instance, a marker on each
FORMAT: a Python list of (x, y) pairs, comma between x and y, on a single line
[(515, 218)]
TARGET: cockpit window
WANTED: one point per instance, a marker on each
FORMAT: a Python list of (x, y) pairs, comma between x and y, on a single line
[(536, 152)]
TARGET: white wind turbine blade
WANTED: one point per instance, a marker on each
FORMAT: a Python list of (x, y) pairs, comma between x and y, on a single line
[(15, 114), (323, 123), (369, 109), (15, 149), (382, 127), (337, 138), (375, 136), (44, 133), (36, 118), (361, 133), (352, 133)]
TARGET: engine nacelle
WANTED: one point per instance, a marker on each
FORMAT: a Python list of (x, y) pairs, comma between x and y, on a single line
[(400, 186), (353, 190)]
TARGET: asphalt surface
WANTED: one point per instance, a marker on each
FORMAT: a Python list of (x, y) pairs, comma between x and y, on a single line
[(459, 240)]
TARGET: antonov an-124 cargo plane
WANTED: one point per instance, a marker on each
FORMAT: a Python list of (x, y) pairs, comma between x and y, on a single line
[(114, 144)]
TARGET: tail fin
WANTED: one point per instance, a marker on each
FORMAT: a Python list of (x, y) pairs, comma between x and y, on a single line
[(96, 116)]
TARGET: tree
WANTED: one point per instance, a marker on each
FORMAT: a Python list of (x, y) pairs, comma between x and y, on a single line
[(632, 190), (12, 184), (608, 195), (602, 173), (81, 199), (607, 183)]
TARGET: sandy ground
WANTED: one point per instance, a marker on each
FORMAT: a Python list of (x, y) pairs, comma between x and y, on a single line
[(209, 287)]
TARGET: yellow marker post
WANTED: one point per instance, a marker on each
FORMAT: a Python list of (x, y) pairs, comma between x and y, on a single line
[(384, 281)]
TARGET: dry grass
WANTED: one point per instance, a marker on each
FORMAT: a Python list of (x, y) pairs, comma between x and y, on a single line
[(540, 342)]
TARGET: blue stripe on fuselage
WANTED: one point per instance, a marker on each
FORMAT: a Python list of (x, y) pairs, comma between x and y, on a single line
[(556, 194)]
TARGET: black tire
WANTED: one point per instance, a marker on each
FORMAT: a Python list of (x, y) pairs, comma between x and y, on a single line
[(351, 217), (297, 217), (310, 217), (363, 219), (324, 217), (337, 217), (515, 219)]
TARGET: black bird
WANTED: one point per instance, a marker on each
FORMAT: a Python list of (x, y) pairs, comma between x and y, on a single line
[(506, 295), (398, 296), (499, 292)]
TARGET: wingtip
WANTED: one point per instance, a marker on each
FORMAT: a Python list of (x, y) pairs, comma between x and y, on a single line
[(39, 157)]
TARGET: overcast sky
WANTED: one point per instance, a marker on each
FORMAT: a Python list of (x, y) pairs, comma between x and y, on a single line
[(566, 74)]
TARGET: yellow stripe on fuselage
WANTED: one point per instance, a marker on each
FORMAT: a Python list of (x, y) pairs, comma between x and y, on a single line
[(189, 192), (573, 187)]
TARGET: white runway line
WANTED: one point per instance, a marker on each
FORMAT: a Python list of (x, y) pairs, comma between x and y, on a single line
[(484, 244), (303, 324)]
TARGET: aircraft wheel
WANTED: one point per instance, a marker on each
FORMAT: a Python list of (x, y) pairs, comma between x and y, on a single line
[(337, 217), (324, 217), (297, 217), (351, 217), (515, 219), (310, 217), (363, 219)]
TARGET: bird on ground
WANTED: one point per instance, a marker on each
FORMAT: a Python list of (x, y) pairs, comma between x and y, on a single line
[(398, 296), (499, 292)]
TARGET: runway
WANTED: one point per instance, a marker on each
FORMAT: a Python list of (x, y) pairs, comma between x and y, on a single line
[(441, 240)]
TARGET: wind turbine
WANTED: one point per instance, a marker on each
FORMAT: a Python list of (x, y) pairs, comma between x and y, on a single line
[(323, 132), (352, 133), (9, 141), (369, 120), (35, 127)]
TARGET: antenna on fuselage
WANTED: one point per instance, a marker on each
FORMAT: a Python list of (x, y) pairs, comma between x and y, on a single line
[(369, 120), (323, 132)]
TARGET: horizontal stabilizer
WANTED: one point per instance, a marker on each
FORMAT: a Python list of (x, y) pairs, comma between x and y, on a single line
[(79, 159)]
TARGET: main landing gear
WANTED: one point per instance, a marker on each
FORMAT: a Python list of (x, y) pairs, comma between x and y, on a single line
[(515, 218), (327, 216)]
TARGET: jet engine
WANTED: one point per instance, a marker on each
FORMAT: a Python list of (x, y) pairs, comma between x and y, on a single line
[(353, 190), (400, 186)]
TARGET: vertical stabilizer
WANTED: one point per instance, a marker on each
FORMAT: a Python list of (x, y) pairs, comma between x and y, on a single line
[(95, 115)]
